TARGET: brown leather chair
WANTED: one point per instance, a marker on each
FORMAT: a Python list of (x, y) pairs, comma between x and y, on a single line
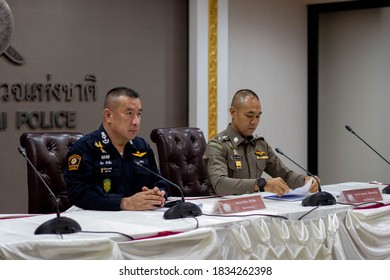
[(47, 152), (180, 154)]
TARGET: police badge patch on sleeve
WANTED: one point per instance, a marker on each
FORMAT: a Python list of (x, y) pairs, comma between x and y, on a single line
[(74, 162)]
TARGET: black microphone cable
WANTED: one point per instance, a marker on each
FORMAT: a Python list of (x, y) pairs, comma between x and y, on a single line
[(103, 232), (356, 205), (308, 212)]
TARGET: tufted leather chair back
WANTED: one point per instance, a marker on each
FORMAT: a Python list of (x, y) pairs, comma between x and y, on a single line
[(47, 152), (180, 153)]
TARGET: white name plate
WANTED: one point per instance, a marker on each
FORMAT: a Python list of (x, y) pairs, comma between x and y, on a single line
[(239, 204), (361, 195)]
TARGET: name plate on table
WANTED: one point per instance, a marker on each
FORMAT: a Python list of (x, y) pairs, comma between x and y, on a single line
[(361, 195), (239, 204)]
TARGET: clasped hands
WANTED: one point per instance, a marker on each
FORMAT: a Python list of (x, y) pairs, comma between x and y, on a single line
[(147, 199)]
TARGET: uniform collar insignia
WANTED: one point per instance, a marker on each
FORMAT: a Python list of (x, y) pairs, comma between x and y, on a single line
[(105, 138)]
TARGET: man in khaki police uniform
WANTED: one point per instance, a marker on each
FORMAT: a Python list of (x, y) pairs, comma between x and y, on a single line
[(236, 159)]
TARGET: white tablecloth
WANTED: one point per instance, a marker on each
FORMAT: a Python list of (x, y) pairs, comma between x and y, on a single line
[(329, 232)]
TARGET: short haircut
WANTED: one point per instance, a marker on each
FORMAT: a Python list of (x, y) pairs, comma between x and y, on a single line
[(119, 91), (240, 95)]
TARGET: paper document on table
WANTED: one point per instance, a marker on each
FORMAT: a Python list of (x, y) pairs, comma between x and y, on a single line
[(295, 194)]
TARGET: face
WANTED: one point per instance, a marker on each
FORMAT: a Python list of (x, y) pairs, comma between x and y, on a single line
[(124, 119), (246, 116)]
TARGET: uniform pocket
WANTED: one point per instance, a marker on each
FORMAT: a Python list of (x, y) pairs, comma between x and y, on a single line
[(237, 168), (261, 164)]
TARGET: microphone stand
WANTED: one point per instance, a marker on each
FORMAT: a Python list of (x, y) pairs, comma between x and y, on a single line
[(179, 208), (353, 132), (319, 198), (307, 172), (57, 225), (385, 190), (170, 203)]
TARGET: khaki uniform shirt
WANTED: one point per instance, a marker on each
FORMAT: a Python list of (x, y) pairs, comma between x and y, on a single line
[(235, 163)]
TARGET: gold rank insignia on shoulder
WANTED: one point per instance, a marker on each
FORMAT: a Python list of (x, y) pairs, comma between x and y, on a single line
[(261, 154), (139, 154), (106, 185), (74, 162)]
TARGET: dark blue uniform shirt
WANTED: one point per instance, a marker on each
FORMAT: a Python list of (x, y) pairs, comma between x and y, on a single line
[(98, 176)]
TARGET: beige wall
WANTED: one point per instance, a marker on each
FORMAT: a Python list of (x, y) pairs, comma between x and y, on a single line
[(354, 67), (135, 43), (143, 44), (268, 53)]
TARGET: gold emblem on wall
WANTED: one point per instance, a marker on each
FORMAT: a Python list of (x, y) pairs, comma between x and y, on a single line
[(6, 30), (213, 40)]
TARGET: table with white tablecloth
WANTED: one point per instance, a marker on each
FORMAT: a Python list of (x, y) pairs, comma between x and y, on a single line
[(281, 230)]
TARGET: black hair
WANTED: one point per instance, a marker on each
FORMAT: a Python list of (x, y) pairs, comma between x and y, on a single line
[(241, 94), (119, 91)]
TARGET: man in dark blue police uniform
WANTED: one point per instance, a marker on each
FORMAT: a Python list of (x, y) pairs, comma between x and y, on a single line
[(102, 171)]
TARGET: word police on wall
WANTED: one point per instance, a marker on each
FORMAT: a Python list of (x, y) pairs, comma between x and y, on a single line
[(44, 93)]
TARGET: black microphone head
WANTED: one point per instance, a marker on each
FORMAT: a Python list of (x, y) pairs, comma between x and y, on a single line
[(279, 151), (348, 128), (319, 198), (183, 210)]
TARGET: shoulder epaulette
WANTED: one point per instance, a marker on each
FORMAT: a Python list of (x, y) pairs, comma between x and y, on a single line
[(222, 138), (258, 136), (139, 143), (215, 145)]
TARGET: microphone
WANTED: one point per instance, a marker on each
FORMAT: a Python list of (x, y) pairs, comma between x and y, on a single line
[(353, 132), (179, 208), (386, 190), (167, 204), (319, 198), (57, 225), (307, 172)]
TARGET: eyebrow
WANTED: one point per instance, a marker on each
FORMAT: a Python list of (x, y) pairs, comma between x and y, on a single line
[(133, 109), (253, 112)]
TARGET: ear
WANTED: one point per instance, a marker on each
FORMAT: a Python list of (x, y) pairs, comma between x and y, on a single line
[(107, 114), (232, 111)]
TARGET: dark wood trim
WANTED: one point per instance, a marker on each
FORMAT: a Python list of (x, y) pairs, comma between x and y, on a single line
[(313, 13)]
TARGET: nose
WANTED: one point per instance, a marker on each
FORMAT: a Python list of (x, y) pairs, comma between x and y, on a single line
[(136, 120), (255, 121)]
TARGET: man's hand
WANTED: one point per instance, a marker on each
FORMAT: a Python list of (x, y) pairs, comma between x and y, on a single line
[(147, 199), (277, 186), (314, 184)]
